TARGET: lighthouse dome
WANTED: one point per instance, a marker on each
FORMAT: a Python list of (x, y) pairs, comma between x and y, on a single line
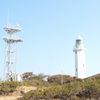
[(79, 38)]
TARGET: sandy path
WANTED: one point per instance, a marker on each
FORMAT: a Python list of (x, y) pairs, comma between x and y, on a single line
[(9, 97)]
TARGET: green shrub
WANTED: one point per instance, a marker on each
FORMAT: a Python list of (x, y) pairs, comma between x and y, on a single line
[(75, 90), (8, 87)]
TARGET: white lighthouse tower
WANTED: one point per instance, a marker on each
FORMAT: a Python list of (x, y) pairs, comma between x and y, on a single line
[(80, 66)]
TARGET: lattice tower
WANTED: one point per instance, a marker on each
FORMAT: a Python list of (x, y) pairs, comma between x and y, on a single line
[(11, 49)]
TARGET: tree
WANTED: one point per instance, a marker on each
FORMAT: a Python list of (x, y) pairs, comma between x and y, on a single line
[(27, 76), (40, 76)]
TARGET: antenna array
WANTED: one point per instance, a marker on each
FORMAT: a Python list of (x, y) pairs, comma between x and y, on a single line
[(10, 59)]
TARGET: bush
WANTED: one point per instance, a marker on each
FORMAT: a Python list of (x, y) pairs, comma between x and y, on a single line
[(74, 90), (60, 79), (8, 87)]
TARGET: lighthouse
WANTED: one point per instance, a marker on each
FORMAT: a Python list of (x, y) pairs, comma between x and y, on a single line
[(80, 65)]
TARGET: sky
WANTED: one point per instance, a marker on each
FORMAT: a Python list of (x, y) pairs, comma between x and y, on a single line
[(49, 29)]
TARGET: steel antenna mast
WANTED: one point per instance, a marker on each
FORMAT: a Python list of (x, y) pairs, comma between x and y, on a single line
[(10, 62)]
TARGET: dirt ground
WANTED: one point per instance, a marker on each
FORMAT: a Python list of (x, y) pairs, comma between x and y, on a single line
[(17, 93), (9, 97)]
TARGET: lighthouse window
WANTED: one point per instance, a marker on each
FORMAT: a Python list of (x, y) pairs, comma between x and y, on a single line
[(78, 41)]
